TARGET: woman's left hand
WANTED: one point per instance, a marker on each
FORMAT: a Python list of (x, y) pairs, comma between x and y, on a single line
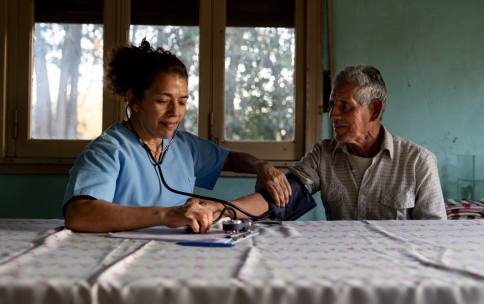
[(275, 182)]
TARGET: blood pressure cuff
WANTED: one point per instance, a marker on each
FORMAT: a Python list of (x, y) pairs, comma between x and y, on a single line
[(300, 201)]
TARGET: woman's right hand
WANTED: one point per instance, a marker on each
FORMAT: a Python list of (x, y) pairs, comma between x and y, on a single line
[(193, 213)]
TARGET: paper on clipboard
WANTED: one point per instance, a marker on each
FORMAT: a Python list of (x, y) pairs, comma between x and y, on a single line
[(162, 233)]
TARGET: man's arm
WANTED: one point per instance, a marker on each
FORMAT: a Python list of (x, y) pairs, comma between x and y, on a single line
[(268, 176), (429, 201), (92, 215)]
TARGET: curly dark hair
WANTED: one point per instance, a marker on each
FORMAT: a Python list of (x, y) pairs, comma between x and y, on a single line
[(135, 67)]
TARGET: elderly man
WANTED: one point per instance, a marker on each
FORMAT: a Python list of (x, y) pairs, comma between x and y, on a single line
[(365, 172)]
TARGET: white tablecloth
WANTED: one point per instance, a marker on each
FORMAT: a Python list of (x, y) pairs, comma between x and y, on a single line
[(298, 262)]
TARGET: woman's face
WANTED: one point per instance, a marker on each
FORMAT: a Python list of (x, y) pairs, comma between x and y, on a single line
[(163, 105)]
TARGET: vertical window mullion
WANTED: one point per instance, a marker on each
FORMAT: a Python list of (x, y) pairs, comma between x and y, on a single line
[(3, 29), (218, 66), (117, 14), (314, 75), (20, 46), (9, 10), (300, 76), (206, 70)]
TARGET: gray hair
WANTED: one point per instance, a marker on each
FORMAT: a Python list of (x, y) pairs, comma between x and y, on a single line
[(368, 80)]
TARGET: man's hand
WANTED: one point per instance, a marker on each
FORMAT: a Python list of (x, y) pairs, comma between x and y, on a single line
[(275, 182), (193, 213)]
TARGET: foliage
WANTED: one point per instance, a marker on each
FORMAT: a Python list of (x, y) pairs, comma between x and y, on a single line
[(259, 89), (259, 78), (63, 96)]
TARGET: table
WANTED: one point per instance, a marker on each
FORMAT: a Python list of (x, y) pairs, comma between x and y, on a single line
[(298, 262)]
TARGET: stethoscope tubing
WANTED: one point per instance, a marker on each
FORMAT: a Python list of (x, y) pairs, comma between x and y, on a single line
[(202, 197)]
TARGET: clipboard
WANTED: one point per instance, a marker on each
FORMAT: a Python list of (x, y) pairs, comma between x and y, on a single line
[(213, 238), (227, 241)]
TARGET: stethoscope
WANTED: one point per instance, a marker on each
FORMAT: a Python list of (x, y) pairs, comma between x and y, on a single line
[(228, 206)]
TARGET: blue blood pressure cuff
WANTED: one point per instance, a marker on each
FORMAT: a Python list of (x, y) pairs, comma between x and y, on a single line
[(300, 201)]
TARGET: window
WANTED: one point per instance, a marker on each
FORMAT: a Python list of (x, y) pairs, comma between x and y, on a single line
[(255, 72), (67, 85), (54, 79), (259, 79), (259, 84), (174, 27)]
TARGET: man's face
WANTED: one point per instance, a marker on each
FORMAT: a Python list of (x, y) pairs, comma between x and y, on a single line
[(350, 119)]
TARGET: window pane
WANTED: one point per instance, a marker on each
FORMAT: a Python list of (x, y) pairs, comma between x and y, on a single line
[(183, 41), (67, 81), (259, 83)]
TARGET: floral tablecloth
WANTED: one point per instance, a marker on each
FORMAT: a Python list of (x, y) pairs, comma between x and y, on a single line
[(297, 262)]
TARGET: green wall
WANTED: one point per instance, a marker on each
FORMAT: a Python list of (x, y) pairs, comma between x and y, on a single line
[(31, 196), (431, 56), (40, 196)]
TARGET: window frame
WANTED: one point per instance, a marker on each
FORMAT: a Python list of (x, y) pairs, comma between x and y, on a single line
[(3, 71), (268, 150), (22, 155)]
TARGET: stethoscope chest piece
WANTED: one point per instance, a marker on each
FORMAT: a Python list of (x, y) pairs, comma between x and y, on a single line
[(234, 226)]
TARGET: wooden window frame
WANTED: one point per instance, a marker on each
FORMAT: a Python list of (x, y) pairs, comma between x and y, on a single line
[(18, 154)]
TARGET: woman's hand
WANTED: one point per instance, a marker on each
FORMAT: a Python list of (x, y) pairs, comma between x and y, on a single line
[(275, 182), (193, 213)]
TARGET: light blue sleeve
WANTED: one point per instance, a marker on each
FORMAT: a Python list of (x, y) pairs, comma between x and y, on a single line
[(94, 173), (209, 160)]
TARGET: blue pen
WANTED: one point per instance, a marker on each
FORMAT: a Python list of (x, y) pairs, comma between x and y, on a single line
[(208, 243), (228, 241)]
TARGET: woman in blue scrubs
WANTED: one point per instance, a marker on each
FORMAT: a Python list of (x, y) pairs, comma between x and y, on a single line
[(114, 184)]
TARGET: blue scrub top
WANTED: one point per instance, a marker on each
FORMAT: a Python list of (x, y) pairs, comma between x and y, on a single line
[(115, 167)]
